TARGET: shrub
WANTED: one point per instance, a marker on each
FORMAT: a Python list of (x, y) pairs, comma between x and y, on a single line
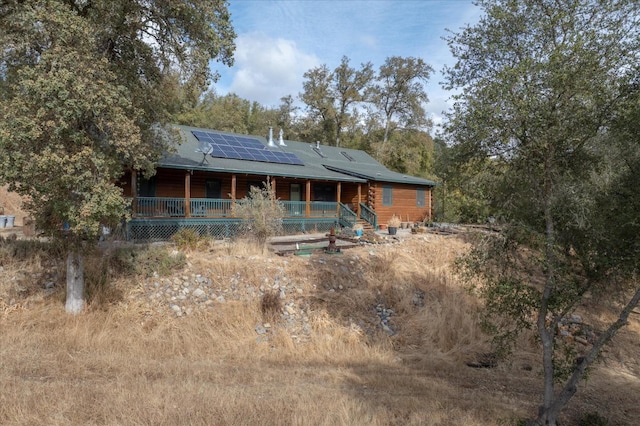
[(147, 261), (394, 222), (593, 419), (261, 213), (187, 239)]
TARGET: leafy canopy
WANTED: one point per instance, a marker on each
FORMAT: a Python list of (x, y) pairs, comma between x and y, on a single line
[(543, 84), (85, 90)]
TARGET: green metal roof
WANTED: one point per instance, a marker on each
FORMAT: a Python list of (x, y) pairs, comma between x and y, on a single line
[(320, 162)]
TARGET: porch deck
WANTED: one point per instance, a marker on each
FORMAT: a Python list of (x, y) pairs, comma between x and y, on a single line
[(164, 207), (157, 218)]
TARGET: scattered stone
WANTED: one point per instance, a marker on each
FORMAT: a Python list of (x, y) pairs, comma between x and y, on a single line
[(199, 293)]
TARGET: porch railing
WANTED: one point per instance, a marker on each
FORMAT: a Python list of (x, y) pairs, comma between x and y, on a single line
[(160, 207), (346, 216), (294, 208), (368, 215), (218, 207), (210, 207), (324, 209)]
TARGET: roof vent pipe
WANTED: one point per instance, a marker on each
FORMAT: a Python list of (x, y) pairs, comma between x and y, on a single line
[(271, 144), (318, 144), (280, 139)]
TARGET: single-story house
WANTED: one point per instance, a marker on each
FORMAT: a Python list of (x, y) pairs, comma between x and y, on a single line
[(320, 186)]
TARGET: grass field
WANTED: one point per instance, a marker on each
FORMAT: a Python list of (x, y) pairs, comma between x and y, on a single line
[(129, 360)]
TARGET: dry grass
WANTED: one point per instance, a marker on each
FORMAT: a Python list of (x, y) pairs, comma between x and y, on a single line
[(126, 362), (12, 204)]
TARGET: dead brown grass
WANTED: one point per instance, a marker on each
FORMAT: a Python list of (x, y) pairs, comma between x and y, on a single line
[(126, 361)]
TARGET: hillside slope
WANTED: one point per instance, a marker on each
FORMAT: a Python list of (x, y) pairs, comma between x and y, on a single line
[(12, 204), (380, 334)]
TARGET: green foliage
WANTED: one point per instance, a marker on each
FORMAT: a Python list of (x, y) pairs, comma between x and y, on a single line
[(188, 239), (399, 94), (331, 95), (147, 261), (538, 85), (261, 212), (85, 94), (592, 419)]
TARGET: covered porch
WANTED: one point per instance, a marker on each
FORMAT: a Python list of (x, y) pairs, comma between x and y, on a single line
[(196, 194), (175, 199)]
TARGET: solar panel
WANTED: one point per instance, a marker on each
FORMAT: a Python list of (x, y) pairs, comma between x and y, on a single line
[(241, 148)]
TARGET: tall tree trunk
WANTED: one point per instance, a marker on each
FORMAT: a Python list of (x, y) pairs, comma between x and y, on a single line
[(75, 283), (570, 388), (546, 331)]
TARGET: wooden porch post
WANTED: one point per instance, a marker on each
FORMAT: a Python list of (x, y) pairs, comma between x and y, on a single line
[(187, 194), (359, 199), (233, 193), (134, 192), (308, 198), (338, 190), (273, 188)]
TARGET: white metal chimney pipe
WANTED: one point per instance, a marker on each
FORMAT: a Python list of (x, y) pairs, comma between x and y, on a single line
[(280, 138), (271, 137)]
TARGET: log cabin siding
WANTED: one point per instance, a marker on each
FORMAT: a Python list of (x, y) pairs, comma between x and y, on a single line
[(403, 202), (350, 195), (171, 183)]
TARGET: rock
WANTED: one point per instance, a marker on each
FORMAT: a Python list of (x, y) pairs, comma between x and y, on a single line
[(198, 292), (388, 330), (260, 329)]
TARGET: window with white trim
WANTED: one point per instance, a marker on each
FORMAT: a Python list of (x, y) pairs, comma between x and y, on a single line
[(421, 197), (387, 195)]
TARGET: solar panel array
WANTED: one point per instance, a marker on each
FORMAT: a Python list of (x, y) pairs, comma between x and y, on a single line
[(241, 148)]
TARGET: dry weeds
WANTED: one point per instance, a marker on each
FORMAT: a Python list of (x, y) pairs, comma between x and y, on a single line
[(124, 362)]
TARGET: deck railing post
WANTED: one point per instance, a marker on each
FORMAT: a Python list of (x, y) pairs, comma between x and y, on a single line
[(134, 192), (233, 194), (187, 194), (308, 198)]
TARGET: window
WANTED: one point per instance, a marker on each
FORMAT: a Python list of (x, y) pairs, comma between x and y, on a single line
[(420, 197), (319, 152), (387, 195), (256, 183), (346, 154), (147, 187), (324, 192), (213, 189)]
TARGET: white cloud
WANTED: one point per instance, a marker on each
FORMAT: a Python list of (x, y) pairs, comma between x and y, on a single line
[(267, 69)]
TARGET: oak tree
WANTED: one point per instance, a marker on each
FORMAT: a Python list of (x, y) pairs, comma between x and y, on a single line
[(330, 96), (86, 89), (541, 85)]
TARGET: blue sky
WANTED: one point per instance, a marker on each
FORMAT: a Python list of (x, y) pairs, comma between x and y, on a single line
[(279, 40)]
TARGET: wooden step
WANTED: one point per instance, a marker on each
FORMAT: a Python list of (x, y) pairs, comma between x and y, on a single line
[(365, 225)]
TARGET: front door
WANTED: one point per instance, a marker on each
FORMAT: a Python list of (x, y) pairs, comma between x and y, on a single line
[(295, 194)]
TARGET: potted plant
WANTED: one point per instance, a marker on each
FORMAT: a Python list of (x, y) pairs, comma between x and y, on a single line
[(393, 224), (358, 230)]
